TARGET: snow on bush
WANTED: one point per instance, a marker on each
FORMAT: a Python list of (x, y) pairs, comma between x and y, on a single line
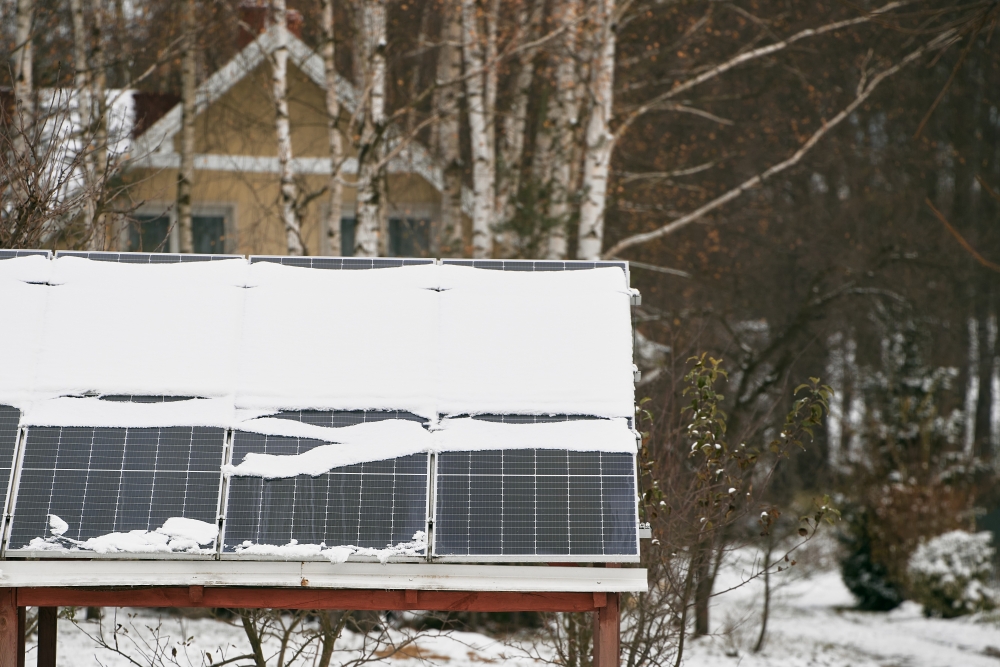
[(949, 573)]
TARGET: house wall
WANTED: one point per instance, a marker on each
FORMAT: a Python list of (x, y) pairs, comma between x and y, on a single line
[(241, 123)]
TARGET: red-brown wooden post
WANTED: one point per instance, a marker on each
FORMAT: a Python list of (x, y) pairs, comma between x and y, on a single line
[(47, 630), (9, 643), (22, 626), (606, 633)]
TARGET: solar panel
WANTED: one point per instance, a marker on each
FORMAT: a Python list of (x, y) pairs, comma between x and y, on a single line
[(532, 419), (135, 398), (104, 480), (372, 505), (144, 257), (338, 418), (10, 419), (10, 254), (341, 263), (534, 264), (533, 502)]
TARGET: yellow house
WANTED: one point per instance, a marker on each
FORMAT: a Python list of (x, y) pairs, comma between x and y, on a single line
[(235, 191)]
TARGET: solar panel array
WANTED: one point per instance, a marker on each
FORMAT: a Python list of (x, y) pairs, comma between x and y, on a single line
[(10, 254), (105, 480), (508, 504), (531, 502), (341, 263)]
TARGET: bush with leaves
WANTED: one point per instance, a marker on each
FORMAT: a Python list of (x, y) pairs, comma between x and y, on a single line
[(949, 574)]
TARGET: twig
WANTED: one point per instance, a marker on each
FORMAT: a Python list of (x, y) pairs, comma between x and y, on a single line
[(965, 244)]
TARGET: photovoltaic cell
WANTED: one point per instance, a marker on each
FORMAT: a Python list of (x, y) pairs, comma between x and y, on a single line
[(10, 419), (337, 418), (341, 263), (533, 264), (375, 504), (104, 480), (144, 257), (10, 254), (534, 502)]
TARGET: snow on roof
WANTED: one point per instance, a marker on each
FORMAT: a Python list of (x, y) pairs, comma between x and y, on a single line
[(248, 340)]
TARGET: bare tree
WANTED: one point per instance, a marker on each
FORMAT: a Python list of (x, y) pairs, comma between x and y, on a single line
[(477, 92), (279, 87), (336, 192), (185, 176), (448, 237), (369, 235), (24, 67)]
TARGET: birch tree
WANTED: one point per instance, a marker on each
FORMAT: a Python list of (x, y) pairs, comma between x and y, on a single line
[(24, 67), (185, 176), (599, 140), (483, 166), (81, 81), (98, 233), (369, 214), (448, 237), (336, 194), (279, 80)]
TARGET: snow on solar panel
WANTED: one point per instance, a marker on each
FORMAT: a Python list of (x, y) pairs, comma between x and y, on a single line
[(527, 503), (102, 483), (11, 254), (144, 257), (371, 505), (338, 418)]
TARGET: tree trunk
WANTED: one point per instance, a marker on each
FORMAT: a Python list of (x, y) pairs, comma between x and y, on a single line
[(565, 118), (185, 177), (482, 149), (368, 205), (508, 167), (24, 92), (335, 202), (448, 237), (81, 81), (766, 613), (98, 94), (702, 588), (600, 141), (282, 127)]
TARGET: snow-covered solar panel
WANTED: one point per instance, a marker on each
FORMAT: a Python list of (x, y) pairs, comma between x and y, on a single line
[(534, 264), (11, 254), (370, 505), (341, 263), (338, 418), (531, 503), (79, 484), (143, 257), (531, 419)]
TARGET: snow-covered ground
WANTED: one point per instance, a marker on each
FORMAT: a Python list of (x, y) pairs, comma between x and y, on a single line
[(812, 623)]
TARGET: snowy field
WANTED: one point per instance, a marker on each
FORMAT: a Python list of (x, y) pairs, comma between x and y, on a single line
[(811, 624)]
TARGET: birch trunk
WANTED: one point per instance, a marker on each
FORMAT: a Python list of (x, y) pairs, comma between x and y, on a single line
[(449, 69), (335, 201), (482, 149), (368, 232), (599, 140), (24, 68), (282, 127), (185, 176), (564, 123), (81, 81), (99, 101), (508, 167)]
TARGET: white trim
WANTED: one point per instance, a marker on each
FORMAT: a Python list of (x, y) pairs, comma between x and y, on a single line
[(370, 576)]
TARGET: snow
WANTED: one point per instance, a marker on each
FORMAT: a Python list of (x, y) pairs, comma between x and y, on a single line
[(176, 535), (433, 340), (416, 547), (56, 525), (589, 435)]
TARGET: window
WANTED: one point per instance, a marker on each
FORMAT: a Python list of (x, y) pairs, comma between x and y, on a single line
[(209, 232), (347, 226), (409, 237), (149, 233)]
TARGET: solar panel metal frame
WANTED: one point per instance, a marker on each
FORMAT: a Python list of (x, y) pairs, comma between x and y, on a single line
[(144, 257), (11, 254), (12, 480), (544, 558), (334, 263), (24, 553)]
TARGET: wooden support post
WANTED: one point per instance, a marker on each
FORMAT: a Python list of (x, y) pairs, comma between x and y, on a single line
[(9, 643), (22, 628), (47, 629), (606, 633)]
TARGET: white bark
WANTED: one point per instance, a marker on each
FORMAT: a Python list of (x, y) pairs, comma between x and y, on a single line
[(564, 121), (482, 148), (99, 232), (24, 67), (185, 176), (992, 333), (597, 159), (368, 232), (282, 128), (335, 202), (81, 81), (835, 417), (972, 388), (449, 68)]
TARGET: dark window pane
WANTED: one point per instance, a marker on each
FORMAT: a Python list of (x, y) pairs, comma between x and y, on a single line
[(209, 232), (347, 226), (149, 233), (409, 237)]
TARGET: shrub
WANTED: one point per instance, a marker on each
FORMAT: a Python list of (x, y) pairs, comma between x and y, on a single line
[(949, 574)]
